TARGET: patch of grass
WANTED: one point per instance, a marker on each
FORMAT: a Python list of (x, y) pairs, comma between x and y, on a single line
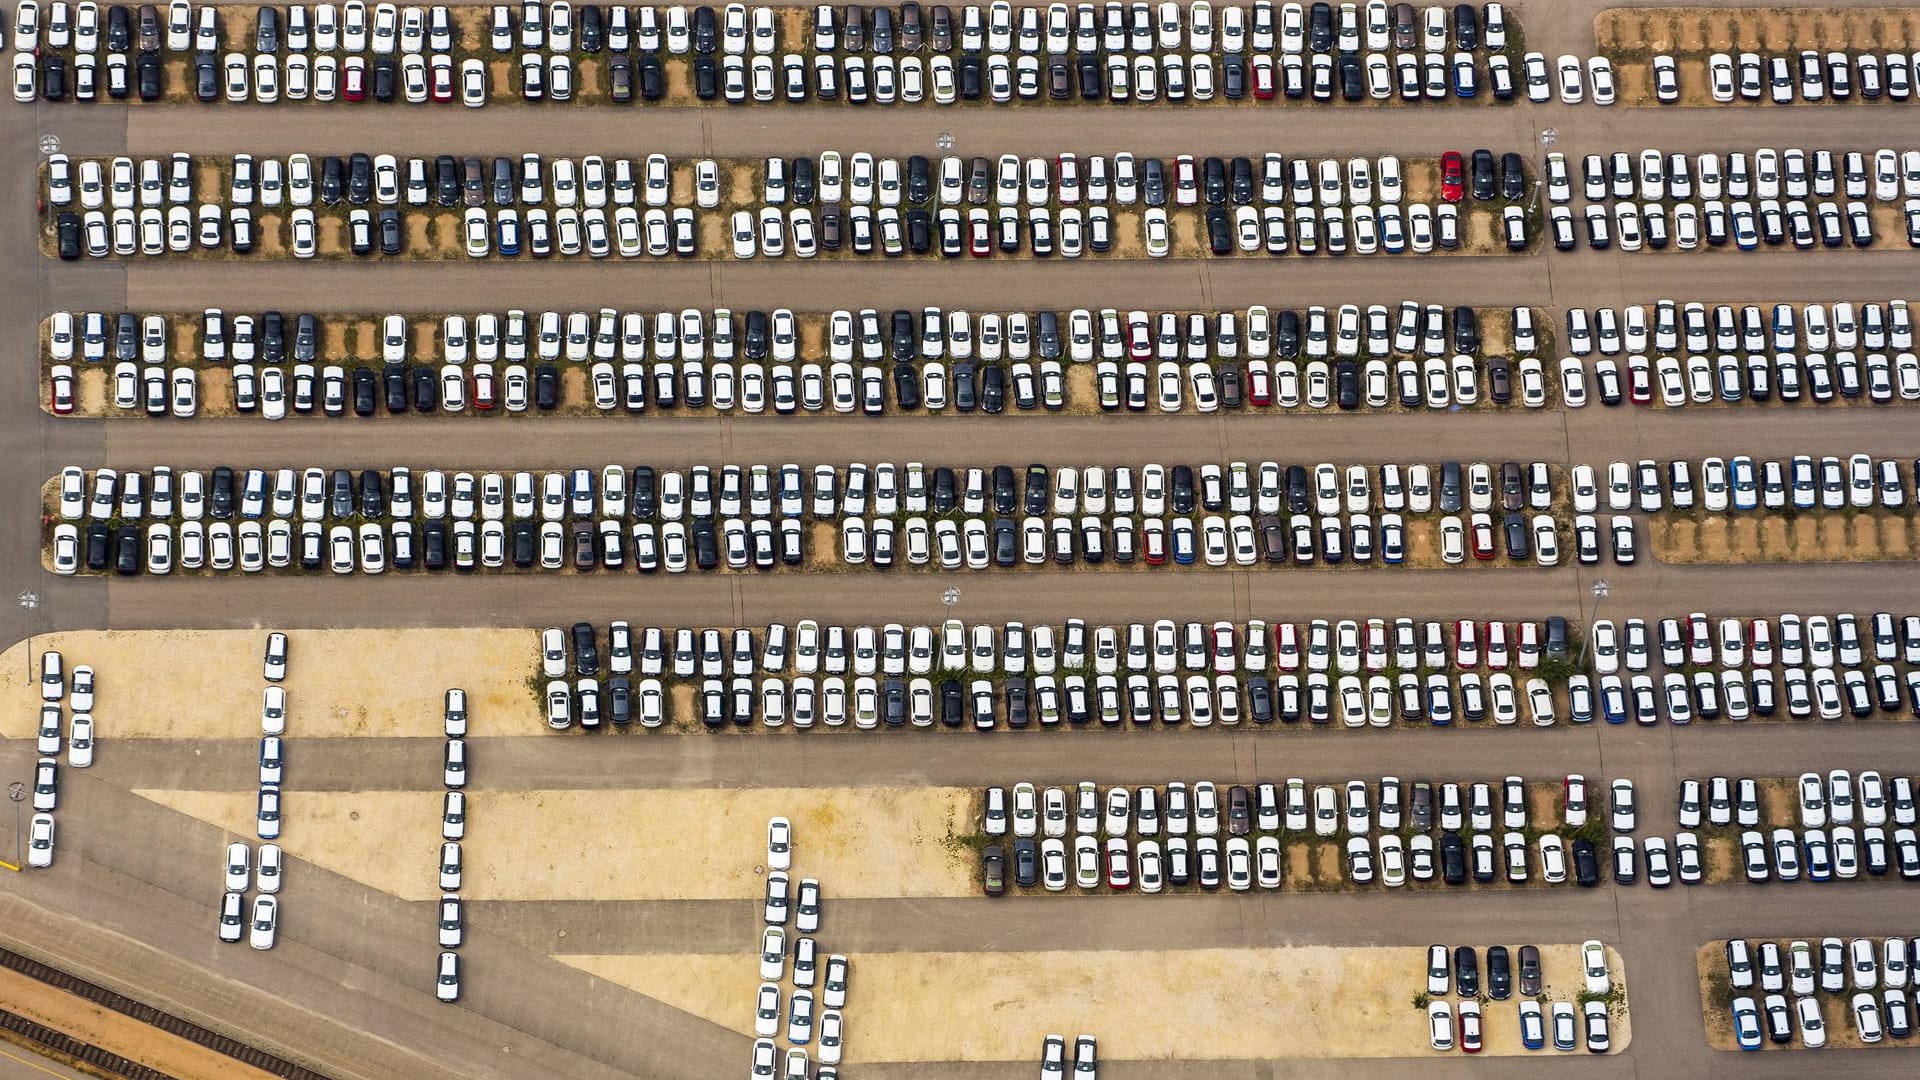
[(960, 843)]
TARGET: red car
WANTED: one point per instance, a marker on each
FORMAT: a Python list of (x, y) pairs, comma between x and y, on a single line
[(1263, 78), (60, 393), (1452, 176), (1482, 532), (1470, 1026), (353, 79), (1259, 383), (1139, 337), (442, 77), (1154, 542), (483, 387)]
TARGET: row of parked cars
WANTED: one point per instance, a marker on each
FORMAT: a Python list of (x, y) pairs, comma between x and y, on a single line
[(737, 29), (52, 737), (816, 388), (451, 921), (1110, 52), (962, 387), (1884, 175), (1780, 989), (815, 1022), (734, 520), (824, 493), (858, 230), (1809, 75), (529, 180), (868, 335), (1164, 647), (1656, 226), (1120, 843), (266, 873), (1802, 482), (1733, 643)]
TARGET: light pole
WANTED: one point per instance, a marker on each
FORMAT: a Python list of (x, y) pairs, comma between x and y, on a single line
[(1600, 592), (17, 792)]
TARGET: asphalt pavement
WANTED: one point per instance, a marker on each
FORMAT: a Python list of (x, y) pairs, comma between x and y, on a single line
[(132, 903)]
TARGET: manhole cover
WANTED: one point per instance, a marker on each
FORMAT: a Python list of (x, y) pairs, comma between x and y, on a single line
[(49, 144)]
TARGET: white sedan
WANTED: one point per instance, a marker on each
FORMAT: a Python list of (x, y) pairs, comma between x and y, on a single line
[(779, 844), (40, 842), (266, 922)]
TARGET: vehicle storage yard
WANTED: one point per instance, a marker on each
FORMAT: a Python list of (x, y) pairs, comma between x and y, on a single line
[(641, 494)]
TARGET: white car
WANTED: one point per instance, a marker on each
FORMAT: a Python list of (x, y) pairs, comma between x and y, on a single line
[(1593, 962), (773, 953), (80, 741), (1572, 89), (1600, 73), (779, 844), (447, 984), (239, 866), (40, 842), (271, 869), (265, 924)]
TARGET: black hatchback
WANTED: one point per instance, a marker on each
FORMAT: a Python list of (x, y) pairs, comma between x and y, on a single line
[(1483, 174)]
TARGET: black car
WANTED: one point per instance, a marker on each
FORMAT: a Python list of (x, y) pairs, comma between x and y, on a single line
[(1320, 27), (119, 28), (426, 390), (993, 389), (146, 69), (1466, 27), (206, 77), (390, 232), (365, 391), (266, 34), (68, 227), (953, 704), (127, 553), (1026, 862), (1453, 859), (1586, 864), (1499, 973), (586, 650), (1219, 232), (1466, 971), (1483, 174), (99, 539), (653, 79), (1513, 176), (446, 180)]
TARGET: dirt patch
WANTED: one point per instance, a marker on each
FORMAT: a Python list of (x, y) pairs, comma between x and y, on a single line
[(703, 844), (1827, 536), (1630, 37), (117, 1032), (207, 683), (1716, 1006), (1310, 1002)]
